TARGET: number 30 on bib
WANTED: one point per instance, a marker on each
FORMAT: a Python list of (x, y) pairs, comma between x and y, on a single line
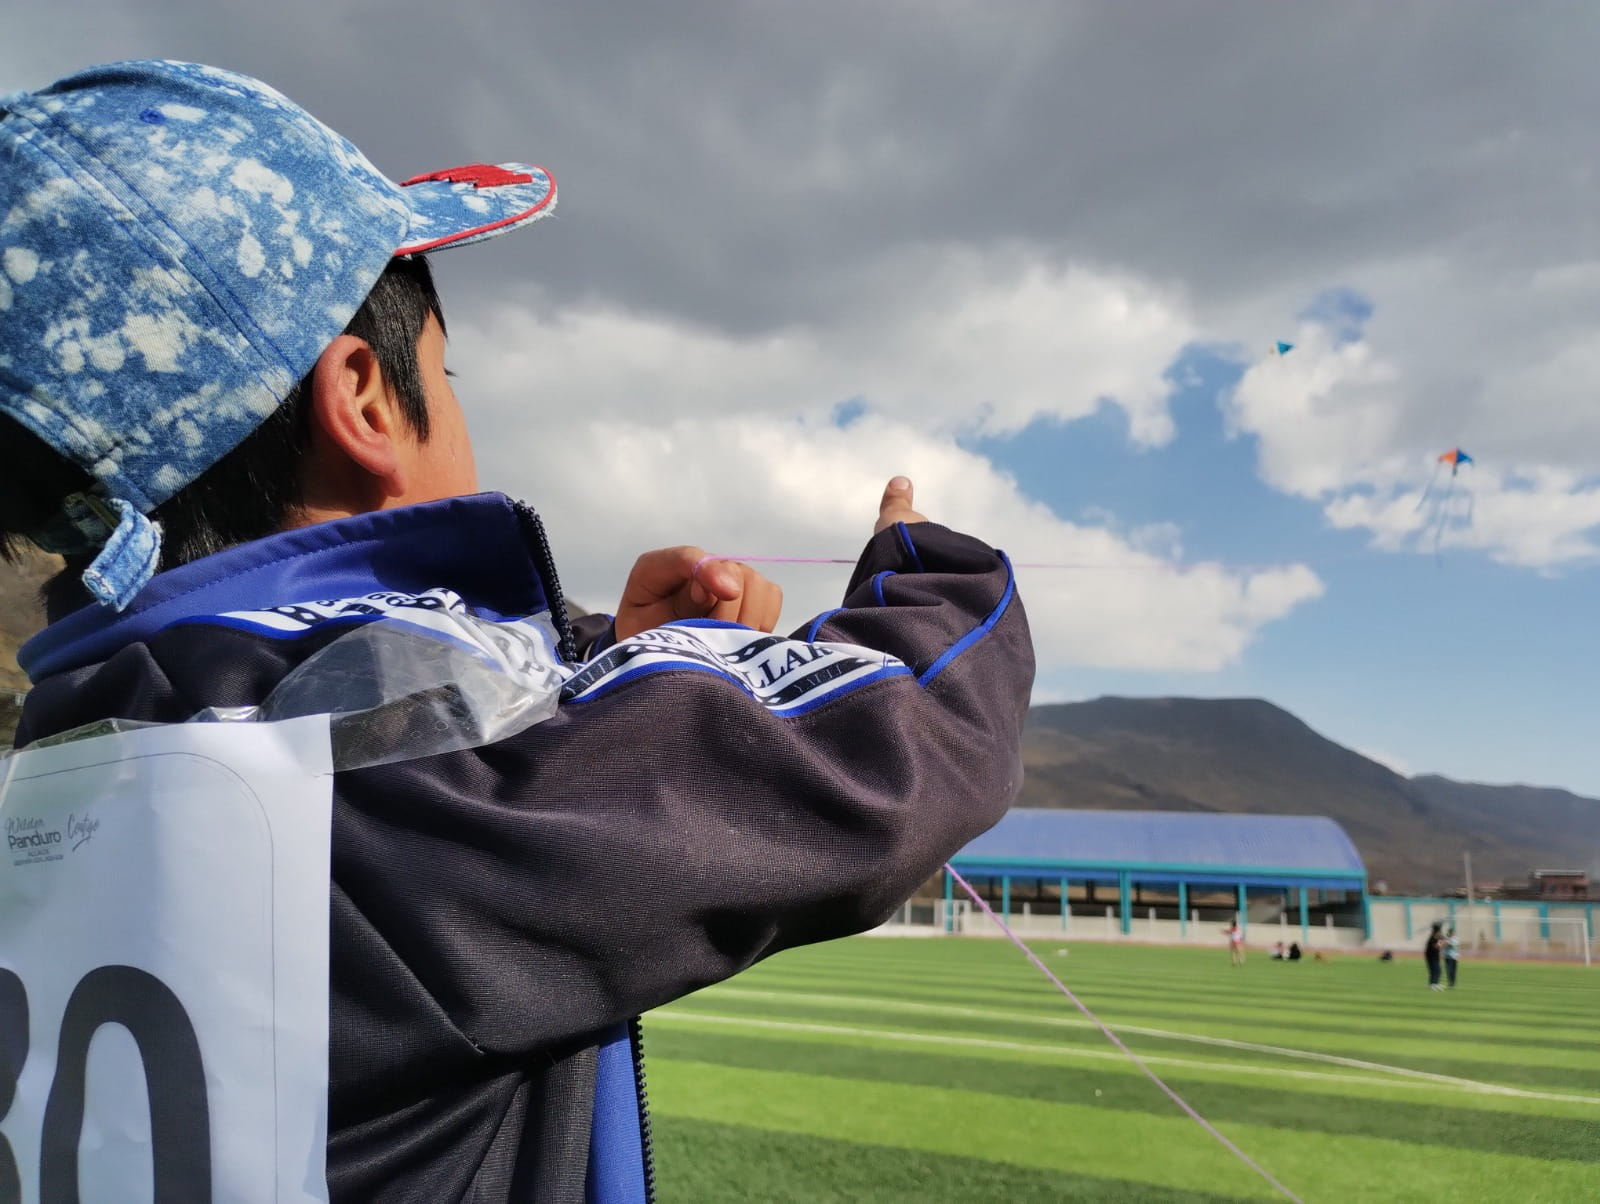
[(164, 966)]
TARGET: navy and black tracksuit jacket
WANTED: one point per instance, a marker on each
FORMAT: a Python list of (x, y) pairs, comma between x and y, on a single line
[(502, 914)]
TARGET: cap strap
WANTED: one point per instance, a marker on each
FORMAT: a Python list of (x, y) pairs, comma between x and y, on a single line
[(130, 557)]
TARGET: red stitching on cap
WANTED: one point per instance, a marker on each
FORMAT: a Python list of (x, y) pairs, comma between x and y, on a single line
[(479, 175), (423, 248)]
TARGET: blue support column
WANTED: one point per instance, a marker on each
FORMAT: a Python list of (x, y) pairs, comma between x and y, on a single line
[(1066, 904), (1244, 912), (1498, 935), (1305, 926), (1408, 919), (1366, 913), (1183, 910), (949, 902), (1005, 898), (1125, 901), (1544, 921)]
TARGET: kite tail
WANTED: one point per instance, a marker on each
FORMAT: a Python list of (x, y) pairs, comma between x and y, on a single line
[(1427, 490), (1443, 517)]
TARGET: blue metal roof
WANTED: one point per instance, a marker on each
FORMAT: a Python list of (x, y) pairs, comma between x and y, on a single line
[(1167, 846)]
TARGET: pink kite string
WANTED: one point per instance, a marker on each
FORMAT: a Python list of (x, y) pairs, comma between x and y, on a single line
[(1108, 566), (1117, 1041)]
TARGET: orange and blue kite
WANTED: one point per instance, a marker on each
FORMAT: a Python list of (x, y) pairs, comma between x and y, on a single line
[(1451, 507)]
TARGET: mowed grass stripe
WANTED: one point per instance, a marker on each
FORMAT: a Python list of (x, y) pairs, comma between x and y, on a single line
[(1408, 999), (1284, 1103), (1256, 1027), (705, 1162), (1058, 1011), (1514, 984), (996, 976), (1048, 1137), (1107, 1058), (1021, 985), (1106, 1143), (886, 1013), (1134, 959), (1450, 1017)]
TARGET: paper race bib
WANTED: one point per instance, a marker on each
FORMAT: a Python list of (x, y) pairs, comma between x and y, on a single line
[(164, 966)]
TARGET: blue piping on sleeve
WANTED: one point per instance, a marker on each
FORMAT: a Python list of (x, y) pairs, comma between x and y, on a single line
[(911, 548), (877, 586), (978, 632), (816, 623)]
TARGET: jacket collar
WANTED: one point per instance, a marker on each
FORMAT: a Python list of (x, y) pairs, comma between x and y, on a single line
[(486, 548)]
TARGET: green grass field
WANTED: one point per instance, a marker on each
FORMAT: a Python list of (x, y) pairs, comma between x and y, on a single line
[(881, 1069)]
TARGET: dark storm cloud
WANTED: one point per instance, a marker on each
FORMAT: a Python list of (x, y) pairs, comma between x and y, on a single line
[(748, 165)]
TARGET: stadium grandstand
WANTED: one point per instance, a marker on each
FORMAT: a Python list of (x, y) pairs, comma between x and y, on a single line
[(1159, 874)]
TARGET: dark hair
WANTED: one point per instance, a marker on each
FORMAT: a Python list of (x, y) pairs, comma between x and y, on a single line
[(251, 491)]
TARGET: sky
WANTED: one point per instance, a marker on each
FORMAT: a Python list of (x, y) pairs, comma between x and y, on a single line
[(1035, 256)]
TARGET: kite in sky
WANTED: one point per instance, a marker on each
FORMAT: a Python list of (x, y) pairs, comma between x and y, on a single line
[(1281, 348), (1450, 506)]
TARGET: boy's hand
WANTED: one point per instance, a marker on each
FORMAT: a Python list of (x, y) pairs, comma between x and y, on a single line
[(896, 505), (665, 585)]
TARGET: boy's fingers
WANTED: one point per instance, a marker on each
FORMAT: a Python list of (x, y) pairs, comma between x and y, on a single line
[(896, 505)]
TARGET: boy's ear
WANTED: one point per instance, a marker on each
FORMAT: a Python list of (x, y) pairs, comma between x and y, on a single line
[(355, 416)]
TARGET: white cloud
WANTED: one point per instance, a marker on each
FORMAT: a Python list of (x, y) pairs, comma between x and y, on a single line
[(630, 433), (1508, 371), (953, 340)]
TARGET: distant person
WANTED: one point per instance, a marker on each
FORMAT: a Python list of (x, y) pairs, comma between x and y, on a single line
[(1277, 951), (1235, 943), (1452, 955), (1433, 954), (1386, 956), (1294, 951)]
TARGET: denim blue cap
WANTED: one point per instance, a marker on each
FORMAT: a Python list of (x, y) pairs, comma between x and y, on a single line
[(178, 245)]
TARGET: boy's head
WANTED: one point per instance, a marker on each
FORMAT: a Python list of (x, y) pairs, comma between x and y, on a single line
[(190, 266)]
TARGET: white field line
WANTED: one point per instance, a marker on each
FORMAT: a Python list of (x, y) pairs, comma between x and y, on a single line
[(1402, 1072)]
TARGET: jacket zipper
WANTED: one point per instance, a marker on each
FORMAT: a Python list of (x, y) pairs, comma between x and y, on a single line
[(544, 561), (533, 531), (636, 1041)]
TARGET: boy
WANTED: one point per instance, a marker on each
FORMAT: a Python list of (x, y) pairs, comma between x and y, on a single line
[(223, 400)]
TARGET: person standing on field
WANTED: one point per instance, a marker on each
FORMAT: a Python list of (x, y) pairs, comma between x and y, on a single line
[(1433, 954)]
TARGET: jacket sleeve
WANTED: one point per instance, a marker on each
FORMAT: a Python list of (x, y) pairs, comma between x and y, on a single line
[(705, 796)]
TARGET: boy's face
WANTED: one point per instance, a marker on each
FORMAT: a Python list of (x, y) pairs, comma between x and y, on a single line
[(442, 465)]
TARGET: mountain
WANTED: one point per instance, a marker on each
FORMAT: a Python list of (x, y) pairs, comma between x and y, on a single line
[(20, 616), (20, 612), (1248, 755)]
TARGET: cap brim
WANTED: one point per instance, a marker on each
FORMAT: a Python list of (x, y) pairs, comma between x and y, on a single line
[(468, 204)]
